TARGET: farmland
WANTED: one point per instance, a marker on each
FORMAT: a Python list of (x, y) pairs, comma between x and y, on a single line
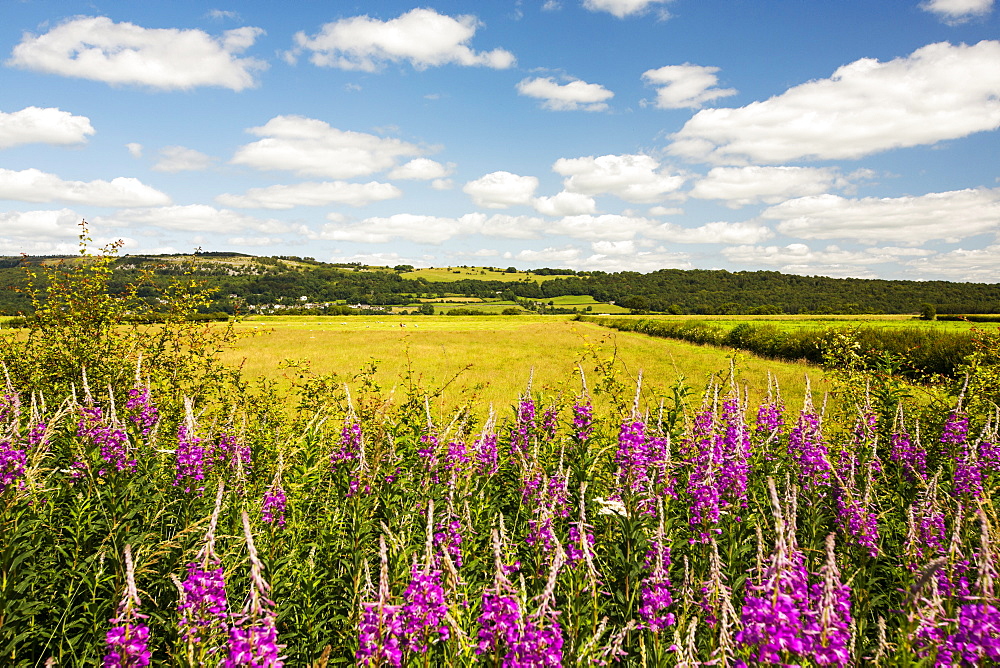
[(493, 355), (317, 509)]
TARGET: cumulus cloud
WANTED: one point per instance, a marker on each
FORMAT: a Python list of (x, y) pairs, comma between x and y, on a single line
[(621, 8), (134, 149), (499, 190), (981, 265), (311, 147), (380, 259), (633, 178), (421, 37), (950, 216), (175, 159), (713, 233), (955, 12), (831, 261), (572, 96), (193, 218), (32, 185), (311, 194), (604, 227), (422, 169), (606, 256), (739, 186), (565, 204), (938, 92), (685, 86), (36, 125), (99, 49), (431, 229), (39, 225), (254, 241)]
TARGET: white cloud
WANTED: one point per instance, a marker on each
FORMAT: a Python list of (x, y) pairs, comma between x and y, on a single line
[(99, 49), (34, 225), (977, 264), (408, 226), (175, 159), (831, 261), (561, 256), (665, 211), (627, 247), (605, 227), (499, 190), (606, 256), (572, 96), (134, 149), (633, 178), (422, 169), (621, 8), (938, 92), (254, 241), (32, 185), (380, 259), (740, 186), (194, 218), (442, 184), (950, 216), (685, 86), (35, 125), (957, 11), (430, 229), (565, 204), (310, 147), (421, 37), (713, 233), (311, 194)]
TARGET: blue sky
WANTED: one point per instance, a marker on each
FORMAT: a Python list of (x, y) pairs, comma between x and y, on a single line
[(851, 138)]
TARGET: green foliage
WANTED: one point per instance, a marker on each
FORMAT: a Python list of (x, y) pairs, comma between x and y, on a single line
[(917, 354), (84, 321), (363, 516), (927, 311)]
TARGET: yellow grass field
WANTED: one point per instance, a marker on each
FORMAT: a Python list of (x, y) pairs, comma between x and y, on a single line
[(491, 358)]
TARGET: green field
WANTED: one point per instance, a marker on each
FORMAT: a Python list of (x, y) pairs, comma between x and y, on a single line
[(493, 357), (448, 274), (800, 322)]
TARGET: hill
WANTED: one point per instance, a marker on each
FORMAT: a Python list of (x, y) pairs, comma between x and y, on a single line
[(243, 281)]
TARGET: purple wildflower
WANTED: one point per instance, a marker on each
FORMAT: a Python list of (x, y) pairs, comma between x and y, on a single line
[(253, 637), (379, 632), (350, 444), (524, 427), (583, 420), (656, 598), (274, 504), (128, 639), (142, 411), (107, 435), (203, 606), (424, 610), (908, 455), (808, 448), (190, 465), (13, 461)]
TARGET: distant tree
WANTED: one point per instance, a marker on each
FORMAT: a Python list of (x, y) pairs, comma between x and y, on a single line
[(511, 270), (426, 308), (403, 268), (510, 311), (927, 311)]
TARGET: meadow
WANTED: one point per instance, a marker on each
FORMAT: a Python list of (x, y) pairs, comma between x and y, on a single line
[(490, 359), (159, 507)]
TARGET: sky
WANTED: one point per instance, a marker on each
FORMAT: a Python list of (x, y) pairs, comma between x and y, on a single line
[(856, 138)]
